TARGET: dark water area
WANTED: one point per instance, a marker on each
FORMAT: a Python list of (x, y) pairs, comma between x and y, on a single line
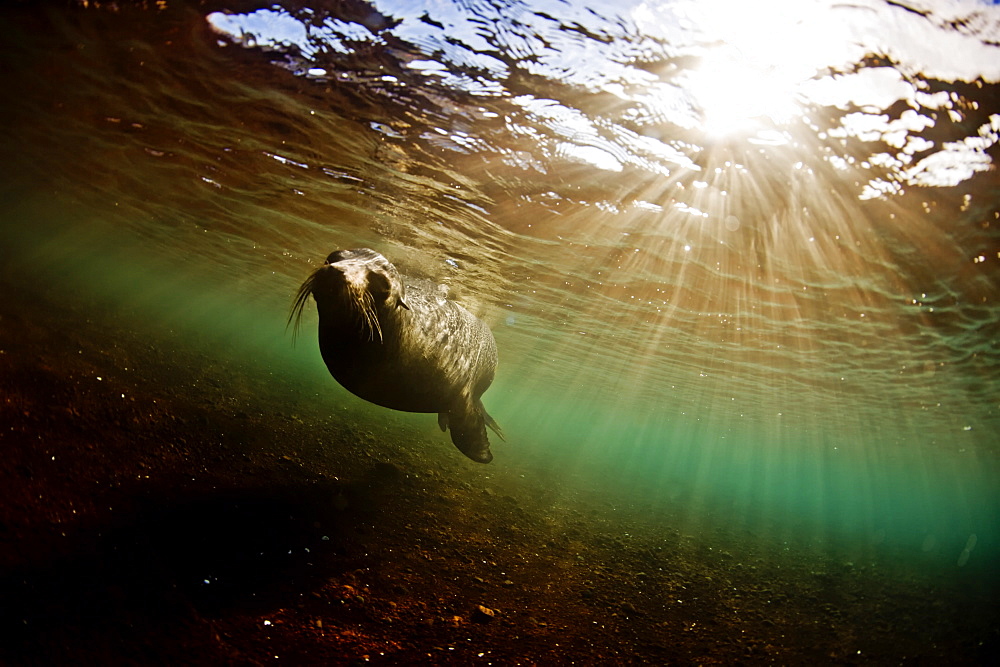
[(742, 264)]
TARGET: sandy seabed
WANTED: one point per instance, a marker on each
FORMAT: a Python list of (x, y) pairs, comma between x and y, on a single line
[(160, 505)]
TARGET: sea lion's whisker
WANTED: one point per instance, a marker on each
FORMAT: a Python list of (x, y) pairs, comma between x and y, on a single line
[(361, 301), (374, 326), (301, 298)]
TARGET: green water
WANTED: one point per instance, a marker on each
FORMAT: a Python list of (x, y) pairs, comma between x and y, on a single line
[(785, 331)]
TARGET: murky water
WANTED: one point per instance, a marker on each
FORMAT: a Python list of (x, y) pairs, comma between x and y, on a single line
[(737, 255)]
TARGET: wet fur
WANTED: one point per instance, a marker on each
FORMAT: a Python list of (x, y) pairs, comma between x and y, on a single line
[(366, 363)]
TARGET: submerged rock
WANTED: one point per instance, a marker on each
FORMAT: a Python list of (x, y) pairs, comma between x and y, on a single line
[(483, 614)]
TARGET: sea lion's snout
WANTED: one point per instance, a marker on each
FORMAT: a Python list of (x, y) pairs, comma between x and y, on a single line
[(359, 281), (339, 256), (365, 272)]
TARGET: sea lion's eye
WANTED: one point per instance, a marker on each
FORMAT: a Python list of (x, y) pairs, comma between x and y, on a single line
[(378, 286)]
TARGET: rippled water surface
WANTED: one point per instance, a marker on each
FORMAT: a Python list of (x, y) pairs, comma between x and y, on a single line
[(728, 250)]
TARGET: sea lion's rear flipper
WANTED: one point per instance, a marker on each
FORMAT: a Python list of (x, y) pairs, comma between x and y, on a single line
[(473, 443), (468, 430), (443, 420), (492, 423)]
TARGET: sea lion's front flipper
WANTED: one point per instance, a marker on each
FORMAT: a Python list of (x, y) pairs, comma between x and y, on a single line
[(468, 430), (443, 420)]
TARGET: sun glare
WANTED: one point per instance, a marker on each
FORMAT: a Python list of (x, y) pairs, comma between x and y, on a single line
[(736, 95), (757, 57)]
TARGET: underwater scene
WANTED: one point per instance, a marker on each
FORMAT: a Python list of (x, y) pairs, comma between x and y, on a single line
[(500, 332)]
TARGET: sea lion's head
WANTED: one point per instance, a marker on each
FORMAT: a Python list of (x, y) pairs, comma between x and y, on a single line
[(358, 282)]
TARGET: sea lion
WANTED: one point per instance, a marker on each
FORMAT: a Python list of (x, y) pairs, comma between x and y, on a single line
[(403, 346)]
